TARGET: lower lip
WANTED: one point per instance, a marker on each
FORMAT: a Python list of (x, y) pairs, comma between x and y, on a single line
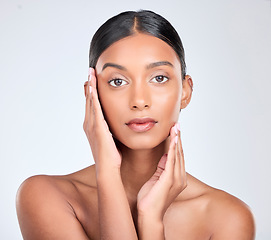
[(141, 127)]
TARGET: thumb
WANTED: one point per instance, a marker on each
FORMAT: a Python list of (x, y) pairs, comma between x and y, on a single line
[(161, 165)]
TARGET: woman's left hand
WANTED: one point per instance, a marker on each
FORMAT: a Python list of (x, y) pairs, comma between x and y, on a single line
[(167, 182)]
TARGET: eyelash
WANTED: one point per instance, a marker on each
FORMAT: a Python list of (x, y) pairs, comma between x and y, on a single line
[(163, 78), (114, 79)]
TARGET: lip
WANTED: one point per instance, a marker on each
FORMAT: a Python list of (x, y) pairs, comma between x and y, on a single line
[(141, 124)]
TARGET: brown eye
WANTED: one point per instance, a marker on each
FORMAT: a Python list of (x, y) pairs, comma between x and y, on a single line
[(160, 79), (117, 82)]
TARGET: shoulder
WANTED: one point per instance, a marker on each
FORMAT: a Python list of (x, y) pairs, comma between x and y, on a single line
[(224, 216), (41, 187), (34, 188), (43, 208), (59, 186), (229, 217)]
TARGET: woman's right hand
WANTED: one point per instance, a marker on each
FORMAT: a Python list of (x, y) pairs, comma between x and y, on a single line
[(114, 210), (104, 150)]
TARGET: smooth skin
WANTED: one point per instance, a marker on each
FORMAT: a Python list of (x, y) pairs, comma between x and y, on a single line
[(138, 187)]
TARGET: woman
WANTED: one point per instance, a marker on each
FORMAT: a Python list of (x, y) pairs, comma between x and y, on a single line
[(138, 187)]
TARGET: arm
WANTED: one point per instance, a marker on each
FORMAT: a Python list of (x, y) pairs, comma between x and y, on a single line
[(115, 217), (160, 191), (44, 214), (114, 212), (149, 228)]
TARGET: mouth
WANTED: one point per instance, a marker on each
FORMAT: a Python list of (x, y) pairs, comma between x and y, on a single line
[(141, 124)]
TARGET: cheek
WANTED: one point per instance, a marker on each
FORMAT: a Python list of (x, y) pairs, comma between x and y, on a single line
[(169, 104), (167, 107), (112, 107)]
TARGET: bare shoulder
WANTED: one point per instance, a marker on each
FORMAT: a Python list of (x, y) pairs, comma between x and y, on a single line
[(44, 209), (208, 213), (216, 214), (41, 184), (230, 217), (225, 216)]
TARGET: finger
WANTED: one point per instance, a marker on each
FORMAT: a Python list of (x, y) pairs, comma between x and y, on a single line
[(85, 88), (98, 113), (178, 165), (88, 122), (179, 168), (87, 85), (171, 153), (182, 163), (161, 166), (162, 162), (90, 71), (174, 136)]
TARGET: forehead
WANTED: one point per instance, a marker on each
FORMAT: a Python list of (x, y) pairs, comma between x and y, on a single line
[(138, 50)]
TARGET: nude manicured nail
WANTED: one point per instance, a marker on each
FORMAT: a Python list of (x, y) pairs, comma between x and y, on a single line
[(176, 139), (178, 126), (90, 71), (90, 89), (175, 129)]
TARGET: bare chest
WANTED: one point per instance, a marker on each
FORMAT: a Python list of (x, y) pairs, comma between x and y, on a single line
[(181, 221)]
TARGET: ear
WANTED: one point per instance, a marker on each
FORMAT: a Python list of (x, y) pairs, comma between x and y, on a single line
[(187, 91)]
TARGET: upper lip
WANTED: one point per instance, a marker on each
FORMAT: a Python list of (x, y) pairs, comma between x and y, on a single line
[(141, 120)]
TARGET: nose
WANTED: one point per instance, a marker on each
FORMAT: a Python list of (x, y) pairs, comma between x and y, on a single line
[(140, 98)]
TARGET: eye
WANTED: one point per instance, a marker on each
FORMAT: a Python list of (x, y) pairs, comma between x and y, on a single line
[(160, 79), (116, 82)]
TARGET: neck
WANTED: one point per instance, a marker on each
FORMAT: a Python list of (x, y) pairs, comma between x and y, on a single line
[(138, 166)]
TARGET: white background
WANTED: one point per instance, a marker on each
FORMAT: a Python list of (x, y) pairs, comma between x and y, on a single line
[(225, 129)]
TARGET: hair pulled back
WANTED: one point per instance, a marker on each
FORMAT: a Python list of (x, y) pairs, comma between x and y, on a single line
[(129, 23)]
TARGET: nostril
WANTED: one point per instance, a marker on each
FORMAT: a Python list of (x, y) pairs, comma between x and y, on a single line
[(140, 107)]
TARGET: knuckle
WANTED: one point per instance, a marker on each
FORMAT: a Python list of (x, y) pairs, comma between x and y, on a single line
[(87, 128), (179, 156), (180, 185), (87, 96), (171, 182), (84, 126), (184, 185)]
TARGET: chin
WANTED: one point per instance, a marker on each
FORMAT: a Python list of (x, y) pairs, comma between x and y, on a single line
[(141, 142)]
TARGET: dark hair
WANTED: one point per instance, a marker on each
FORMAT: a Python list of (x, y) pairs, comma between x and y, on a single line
[(128, 23)]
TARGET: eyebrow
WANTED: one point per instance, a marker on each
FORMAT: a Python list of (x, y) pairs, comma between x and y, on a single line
[(149, 66), (161, 63)]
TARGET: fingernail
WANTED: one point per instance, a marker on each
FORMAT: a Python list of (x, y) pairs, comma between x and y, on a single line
[(89, 77), (176, 139), (90, 89), (175, 129), (90, 71), (178, 126)]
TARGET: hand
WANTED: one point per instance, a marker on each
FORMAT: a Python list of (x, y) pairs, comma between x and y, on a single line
[(114, 212), (166, 184), (104, 150)]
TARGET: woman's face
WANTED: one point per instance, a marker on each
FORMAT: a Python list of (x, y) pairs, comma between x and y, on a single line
[(140, 77)]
